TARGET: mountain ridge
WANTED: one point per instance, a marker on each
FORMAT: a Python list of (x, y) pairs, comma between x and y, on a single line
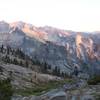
[(54, 46)]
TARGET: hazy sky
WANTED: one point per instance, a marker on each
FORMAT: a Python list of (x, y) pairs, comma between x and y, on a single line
[(77, 15)]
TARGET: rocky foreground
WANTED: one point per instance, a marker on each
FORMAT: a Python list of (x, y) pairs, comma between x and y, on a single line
[(83, 93), (24, 78)]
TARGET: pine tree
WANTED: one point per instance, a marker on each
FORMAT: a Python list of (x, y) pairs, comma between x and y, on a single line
[(2, 48), (62, 74), (56, 71), (15, 61), (8, 50), (7, 59), (49, 66), (45, 67), (21, 63), (26, 64)]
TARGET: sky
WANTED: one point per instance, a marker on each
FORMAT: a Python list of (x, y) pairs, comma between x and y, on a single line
[(76, 15)]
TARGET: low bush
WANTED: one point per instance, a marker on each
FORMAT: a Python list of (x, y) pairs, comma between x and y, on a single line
[(5, 90), (94, 80)]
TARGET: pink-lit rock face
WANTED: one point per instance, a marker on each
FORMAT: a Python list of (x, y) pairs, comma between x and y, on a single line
[(78, 45), (29, 30), (86, 46)]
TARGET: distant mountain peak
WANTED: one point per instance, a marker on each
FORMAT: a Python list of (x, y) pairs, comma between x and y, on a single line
[(18, 24)]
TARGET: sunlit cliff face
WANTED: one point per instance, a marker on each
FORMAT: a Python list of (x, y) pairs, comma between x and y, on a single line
[(29, 30), (78, 39), (85, 47), (78, 42)]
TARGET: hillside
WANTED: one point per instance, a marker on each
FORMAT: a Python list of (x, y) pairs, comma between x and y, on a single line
[(58, 48), (46, 63), (21, 74)]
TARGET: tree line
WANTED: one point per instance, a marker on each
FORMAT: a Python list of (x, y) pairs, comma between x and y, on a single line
[(17, 53)]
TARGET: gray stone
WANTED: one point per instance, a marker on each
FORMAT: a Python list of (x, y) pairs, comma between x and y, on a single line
[(87, 97)]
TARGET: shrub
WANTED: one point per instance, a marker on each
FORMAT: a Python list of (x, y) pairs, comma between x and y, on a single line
[(94, 81), (5, 90)]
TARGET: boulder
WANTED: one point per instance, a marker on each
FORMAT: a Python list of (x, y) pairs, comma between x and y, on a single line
[(55, 94)]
